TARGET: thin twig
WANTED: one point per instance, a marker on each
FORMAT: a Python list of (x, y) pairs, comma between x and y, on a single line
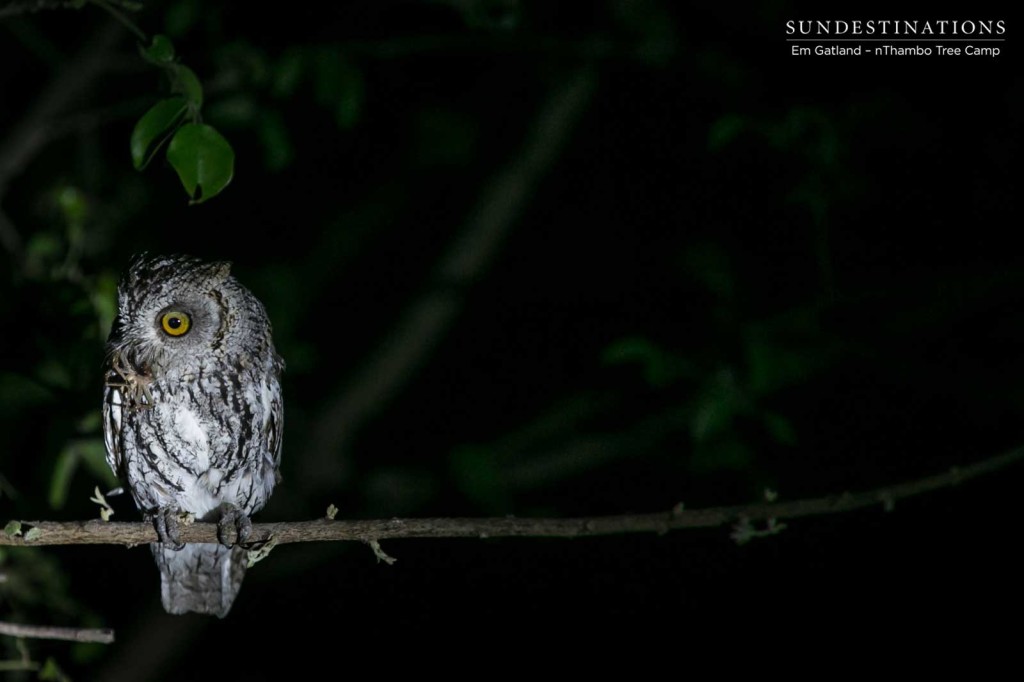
[(97, 532), (98, 635)]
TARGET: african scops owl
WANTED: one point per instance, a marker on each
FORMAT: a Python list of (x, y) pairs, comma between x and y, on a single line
[(192, 417)]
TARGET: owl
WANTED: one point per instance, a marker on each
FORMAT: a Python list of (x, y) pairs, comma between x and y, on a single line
[(192, 417)]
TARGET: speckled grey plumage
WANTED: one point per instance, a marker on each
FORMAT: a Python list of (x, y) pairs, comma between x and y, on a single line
[(193, 423)]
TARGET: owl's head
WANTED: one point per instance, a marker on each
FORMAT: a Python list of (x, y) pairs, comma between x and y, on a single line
[(179, 312)]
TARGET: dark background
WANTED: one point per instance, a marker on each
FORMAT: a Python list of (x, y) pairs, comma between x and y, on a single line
[(729, 269)]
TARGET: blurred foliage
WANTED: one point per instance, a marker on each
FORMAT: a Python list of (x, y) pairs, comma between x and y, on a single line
[(726, 283)]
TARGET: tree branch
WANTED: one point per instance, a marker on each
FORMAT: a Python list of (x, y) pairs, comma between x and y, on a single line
[(100, 635), (32, 6), (26, 139), (426, 320), (324, 530)]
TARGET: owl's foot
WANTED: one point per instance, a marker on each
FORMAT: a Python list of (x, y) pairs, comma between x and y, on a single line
[(165, 521), (233, 524)]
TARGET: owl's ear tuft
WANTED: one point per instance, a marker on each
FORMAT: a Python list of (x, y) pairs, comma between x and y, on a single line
[(219, 270)]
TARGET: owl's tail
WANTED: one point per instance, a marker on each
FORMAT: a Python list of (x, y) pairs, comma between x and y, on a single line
[(199, 577)]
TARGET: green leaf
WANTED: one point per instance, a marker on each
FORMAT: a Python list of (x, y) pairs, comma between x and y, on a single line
[(630, 349), (780, 428), (89, 451), (204, 160), (287, 73), (51, 672), (350, 105), (726, 454), (154, 128), (778, 357), (478, 476), (236, 111), (60, 482), (709, 264), (93, 453), (52, 372), (660, 368), (90, 422), (18, 392), (103, 295), (13, 529), (725, 130), (43, 252), (277, 147), (715, 407), (181, 16), (160, 51), (338, 84), (72, 204), (185, 82), (33, 534)]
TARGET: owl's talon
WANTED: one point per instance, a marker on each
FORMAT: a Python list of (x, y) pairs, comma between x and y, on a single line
[(233, 524), (165, 521)]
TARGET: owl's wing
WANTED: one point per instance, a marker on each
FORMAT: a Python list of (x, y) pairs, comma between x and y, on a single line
[(274, 428), (273, 423), (113, 404)]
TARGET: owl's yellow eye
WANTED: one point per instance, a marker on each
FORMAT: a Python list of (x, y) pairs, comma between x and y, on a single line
[(175, 323)]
